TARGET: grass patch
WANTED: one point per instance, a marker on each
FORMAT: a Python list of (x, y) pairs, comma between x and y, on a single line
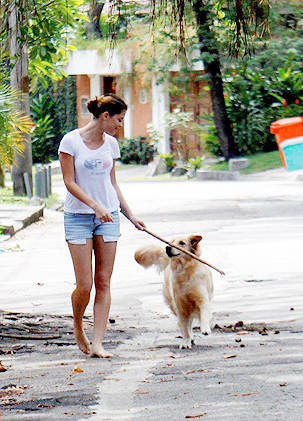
[(257, 163), (264, 162), (7, 197), (220, 166), (51, 200), (7, 194)]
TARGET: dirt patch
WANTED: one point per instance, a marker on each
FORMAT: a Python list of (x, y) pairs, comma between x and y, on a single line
[(44, 373), (17, 328), (240, 326)]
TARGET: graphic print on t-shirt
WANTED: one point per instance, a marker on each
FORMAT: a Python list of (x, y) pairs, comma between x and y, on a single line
[(97, 164)]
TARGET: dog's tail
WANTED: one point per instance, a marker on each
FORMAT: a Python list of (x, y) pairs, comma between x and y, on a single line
[(151, 255)]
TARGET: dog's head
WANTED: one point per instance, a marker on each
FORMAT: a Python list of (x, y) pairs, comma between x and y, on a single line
[(189, 243)]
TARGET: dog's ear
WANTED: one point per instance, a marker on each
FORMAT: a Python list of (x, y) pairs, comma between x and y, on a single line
[(194, 240)]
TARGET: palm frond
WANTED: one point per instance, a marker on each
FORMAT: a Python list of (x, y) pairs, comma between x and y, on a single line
[(14, 125)]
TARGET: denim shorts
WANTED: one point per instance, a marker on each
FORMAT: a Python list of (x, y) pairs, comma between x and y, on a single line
[(80, 226)]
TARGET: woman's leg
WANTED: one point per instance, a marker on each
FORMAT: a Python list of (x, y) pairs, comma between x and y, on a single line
[(104, 261), (82, 260)]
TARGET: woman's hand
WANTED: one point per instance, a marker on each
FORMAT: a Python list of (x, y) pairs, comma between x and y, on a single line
[(103, 214), (139, 224)]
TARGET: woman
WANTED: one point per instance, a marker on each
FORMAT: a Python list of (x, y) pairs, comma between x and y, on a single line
[(91, 220)]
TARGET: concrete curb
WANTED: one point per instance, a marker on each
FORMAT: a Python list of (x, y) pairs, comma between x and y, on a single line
[(19, 218), (217, 175)]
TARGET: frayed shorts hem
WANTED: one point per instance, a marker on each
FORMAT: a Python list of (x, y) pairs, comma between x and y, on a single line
[(79, 227)]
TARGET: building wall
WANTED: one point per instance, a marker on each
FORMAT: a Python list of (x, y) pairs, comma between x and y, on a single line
[(83, 95), (141, 111), (197, 101)]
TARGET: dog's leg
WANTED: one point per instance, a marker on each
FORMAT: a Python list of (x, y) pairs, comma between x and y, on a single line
[(185, 327), (205, 317), (193, 342)]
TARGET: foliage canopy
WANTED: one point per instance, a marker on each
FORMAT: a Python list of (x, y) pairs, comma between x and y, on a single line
[(46, 29)]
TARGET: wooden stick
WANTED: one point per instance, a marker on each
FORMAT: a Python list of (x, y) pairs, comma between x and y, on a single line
[(184, 251)]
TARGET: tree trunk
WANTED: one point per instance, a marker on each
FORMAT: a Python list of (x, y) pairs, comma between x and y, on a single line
[(19, 81), (93, 27), (221, 119), (211, 59), (2, 175)]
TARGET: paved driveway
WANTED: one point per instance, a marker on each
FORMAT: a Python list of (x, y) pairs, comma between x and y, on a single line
[(252, 229)]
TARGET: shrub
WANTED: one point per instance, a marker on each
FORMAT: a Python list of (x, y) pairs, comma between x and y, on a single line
[(43, 135), (256, 97), (266, 88), (195, 163), (208, 137), (249, 111), (137, 150), (53, 110), (169, 159)]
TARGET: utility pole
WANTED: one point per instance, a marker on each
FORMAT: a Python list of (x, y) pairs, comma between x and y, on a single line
[(20, 82)]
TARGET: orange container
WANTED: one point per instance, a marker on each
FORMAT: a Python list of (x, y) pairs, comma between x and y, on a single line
[(286, 128)]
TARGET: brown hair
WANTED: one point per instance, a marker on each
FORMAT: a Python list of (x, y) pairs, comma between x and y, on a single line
[(107, 102)]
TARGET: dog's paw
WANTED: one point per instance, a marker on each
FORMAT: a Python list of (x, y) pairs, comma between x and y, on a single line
[(205, 330), (186, 344)]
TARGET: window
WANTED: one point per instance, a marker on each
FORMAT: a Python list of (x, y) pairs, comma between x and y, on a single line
[(143, 96), (84, 110)]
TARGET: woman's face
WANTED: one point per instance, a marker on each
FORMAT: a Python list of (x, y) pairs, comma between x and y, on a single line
[(114, 122)]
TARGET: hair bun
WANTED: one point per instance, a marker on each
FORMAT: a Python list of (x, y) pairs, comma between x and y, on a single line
[(108, 102), (93, 105)]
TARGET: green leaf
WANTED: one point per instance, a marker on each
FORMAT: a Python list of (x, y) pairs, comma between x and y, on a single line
[(285, 73), (279, 97), (43, 51), (36, 31)]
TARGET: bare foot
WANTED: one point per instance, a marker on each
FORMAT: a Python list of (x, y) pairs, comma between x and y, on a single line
[(98, 351), (82, 341)]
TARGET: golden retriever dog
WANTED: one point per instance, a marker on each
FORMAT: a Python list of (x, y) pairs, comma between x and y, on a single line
[(188, 285)]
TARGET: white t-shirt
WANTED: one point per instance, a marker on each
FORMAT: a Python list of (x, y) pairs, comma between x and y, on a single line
[(92, 172)]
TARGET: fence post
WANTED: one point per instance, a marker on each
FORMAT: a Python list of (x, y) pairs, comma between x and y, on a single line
[(27, 185), (49, 178), (40, 184), (44, 179)]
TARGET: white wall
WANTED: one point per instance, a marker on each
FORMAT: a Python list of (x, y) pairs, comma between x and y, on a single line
[(128, 126)]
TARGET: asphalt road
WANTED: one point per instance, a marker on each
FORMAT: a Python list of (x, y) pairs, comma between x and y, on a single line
[(250, 367)]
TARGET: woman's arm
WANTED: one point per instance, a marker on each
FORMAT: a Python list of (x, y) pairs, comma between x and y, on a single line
[(68, 171), (125, 209)]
